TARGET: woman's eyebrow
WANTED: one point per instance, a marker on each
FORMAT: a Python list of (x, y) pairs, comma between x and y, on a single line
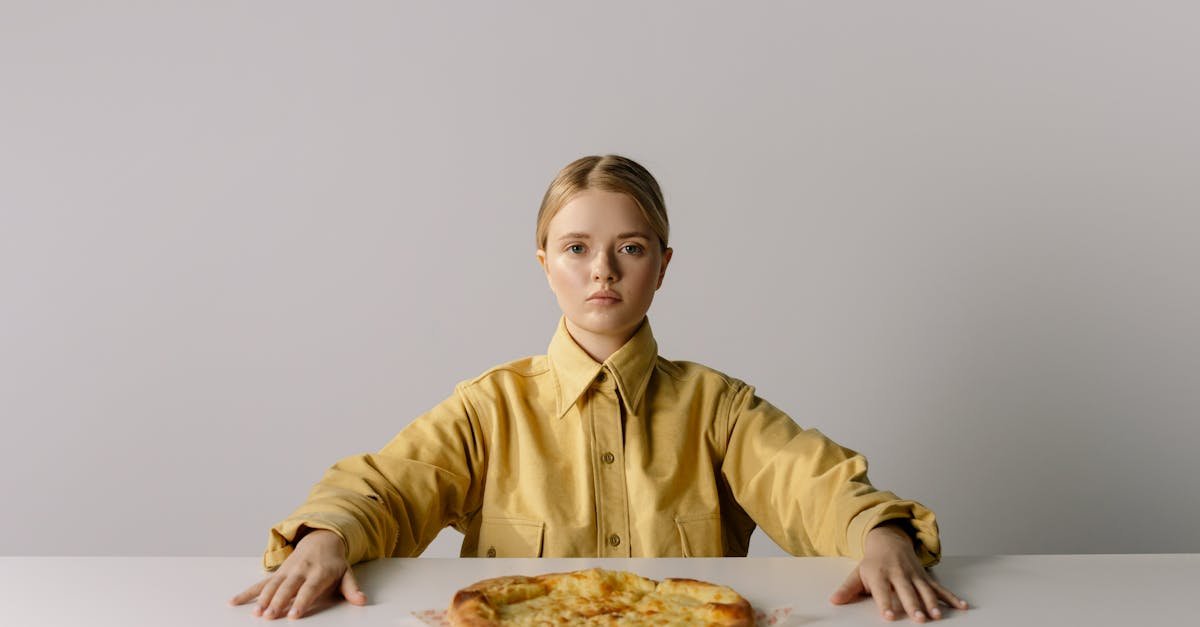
[(619, 236)]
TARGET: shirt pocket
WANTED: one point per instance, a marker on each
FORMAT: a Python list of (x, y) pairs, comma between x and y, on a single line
[(700, 535), (510, 537)]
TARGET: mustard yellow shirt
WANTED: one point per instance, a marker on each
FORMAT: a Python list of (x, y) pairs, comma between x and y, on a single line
[(557, 455)]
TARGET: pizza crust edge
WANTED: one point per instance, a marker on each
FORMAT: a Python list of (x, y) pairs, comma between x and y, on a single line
[(472, 606)]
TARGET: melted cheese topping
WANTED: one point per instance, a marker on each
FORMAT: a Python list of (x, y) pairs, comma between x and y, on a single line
[(597, 597)]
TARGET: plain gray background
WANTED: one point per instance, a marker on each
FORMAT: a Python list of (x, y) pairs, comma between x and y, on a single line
[(242, 240)]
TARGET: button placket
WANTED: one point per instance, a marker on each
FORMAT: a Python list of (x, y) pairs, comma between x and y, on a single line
[(611, 497)]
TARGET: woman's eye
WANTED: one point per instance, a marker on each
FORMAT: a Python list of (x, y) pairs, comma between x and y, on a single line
[(572, 247), (638, 248)]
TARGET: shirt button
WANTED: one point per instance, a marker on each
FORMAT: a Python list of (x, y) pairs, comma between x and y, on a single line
[(614, 540), (608, 458), (601, 377), (491, 551)]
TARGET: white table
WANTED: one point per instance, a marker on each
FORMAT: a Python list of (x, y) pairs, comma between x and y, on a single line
[(1002, 590)]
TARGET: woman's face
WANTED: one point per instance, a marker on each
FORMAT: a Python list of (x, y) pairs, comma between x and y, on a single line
[(600, 241)]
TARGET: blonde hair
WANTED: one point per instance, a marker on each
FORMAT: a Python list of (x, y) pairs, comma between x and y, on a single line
[(610, 173)]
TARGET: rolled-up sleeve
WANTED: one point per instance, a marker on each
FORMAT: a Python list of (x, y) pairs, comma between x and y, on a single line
[(395, 502), (809, 494)]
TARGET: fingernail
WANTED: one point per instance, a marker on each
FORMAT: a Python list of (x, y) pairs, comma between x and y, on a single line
[(294, 613), (919, 615), (269, 612), (936, 612)]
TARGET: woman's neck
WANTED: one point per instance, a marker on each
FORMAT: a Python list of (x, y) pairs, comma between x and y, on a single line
[(597, 345)]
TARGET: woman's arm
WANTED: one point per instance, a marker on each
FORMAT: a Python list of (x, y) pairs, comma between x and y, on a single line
[(396, 501), (812, 497), (808, 493)]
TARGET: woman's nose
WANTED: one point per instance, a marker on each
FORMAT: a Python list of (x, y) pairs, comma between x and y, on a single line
[(603, 268)]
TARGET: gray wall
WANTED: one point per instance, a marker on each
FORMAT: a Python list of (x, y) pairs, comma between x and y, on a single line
[(241, 240)]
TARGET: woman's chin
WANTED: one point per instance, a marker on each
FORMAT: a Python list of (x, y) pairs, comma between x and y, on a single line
[(606, 321)]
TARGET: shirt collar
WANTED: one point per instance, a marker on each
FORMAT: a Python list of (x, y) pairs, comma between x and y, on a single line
[(574, 370)]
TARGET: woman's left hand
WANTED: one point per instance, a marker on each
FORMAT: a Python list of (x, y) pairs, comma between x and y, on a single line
[(891, 573)]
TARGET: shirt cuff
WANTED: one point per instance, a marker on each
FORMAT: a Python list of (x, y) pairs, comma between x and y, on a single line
[(282, 538), (920, 524)]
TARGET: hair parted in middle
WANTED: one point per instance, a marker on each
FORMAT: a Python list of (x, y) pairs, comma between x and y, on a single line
[(611, 173)]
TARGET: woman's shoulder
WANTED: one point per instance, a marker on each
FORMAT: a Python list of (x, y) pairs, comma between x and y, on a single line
[(530, 367), (683, 371)]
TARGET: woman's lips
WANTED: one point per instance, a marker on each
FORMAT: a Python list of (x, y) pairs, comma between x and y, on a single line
[(604, 301)]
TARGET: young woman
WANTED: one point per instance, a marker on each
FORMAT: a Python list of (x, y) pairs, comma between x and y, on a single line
[(601, 447)]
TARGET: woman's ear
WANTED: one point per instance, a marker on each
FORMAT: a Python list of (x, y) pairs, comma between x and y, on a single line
[(541, 257), (662, 271)]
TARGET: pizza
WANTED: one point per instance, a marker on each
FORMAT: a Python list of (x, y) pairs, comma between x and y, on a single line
[(597, 597)]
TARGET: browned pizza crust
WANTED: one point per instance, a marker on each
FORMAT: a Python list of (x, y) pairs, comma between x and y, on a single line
[(597, 597)]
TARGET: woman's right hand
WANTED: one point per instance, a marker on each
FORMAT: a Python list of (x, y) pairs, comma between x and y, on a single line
[(317, 564)]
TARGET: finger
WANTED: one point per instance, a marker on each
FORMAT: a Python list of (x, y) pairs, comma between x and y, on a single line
[(882, 593), (928, 598), (312, 588), (284, 596), (849, 590), (949, 597), (268, 593), (908, 596), (350, 589), (248, 593)]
